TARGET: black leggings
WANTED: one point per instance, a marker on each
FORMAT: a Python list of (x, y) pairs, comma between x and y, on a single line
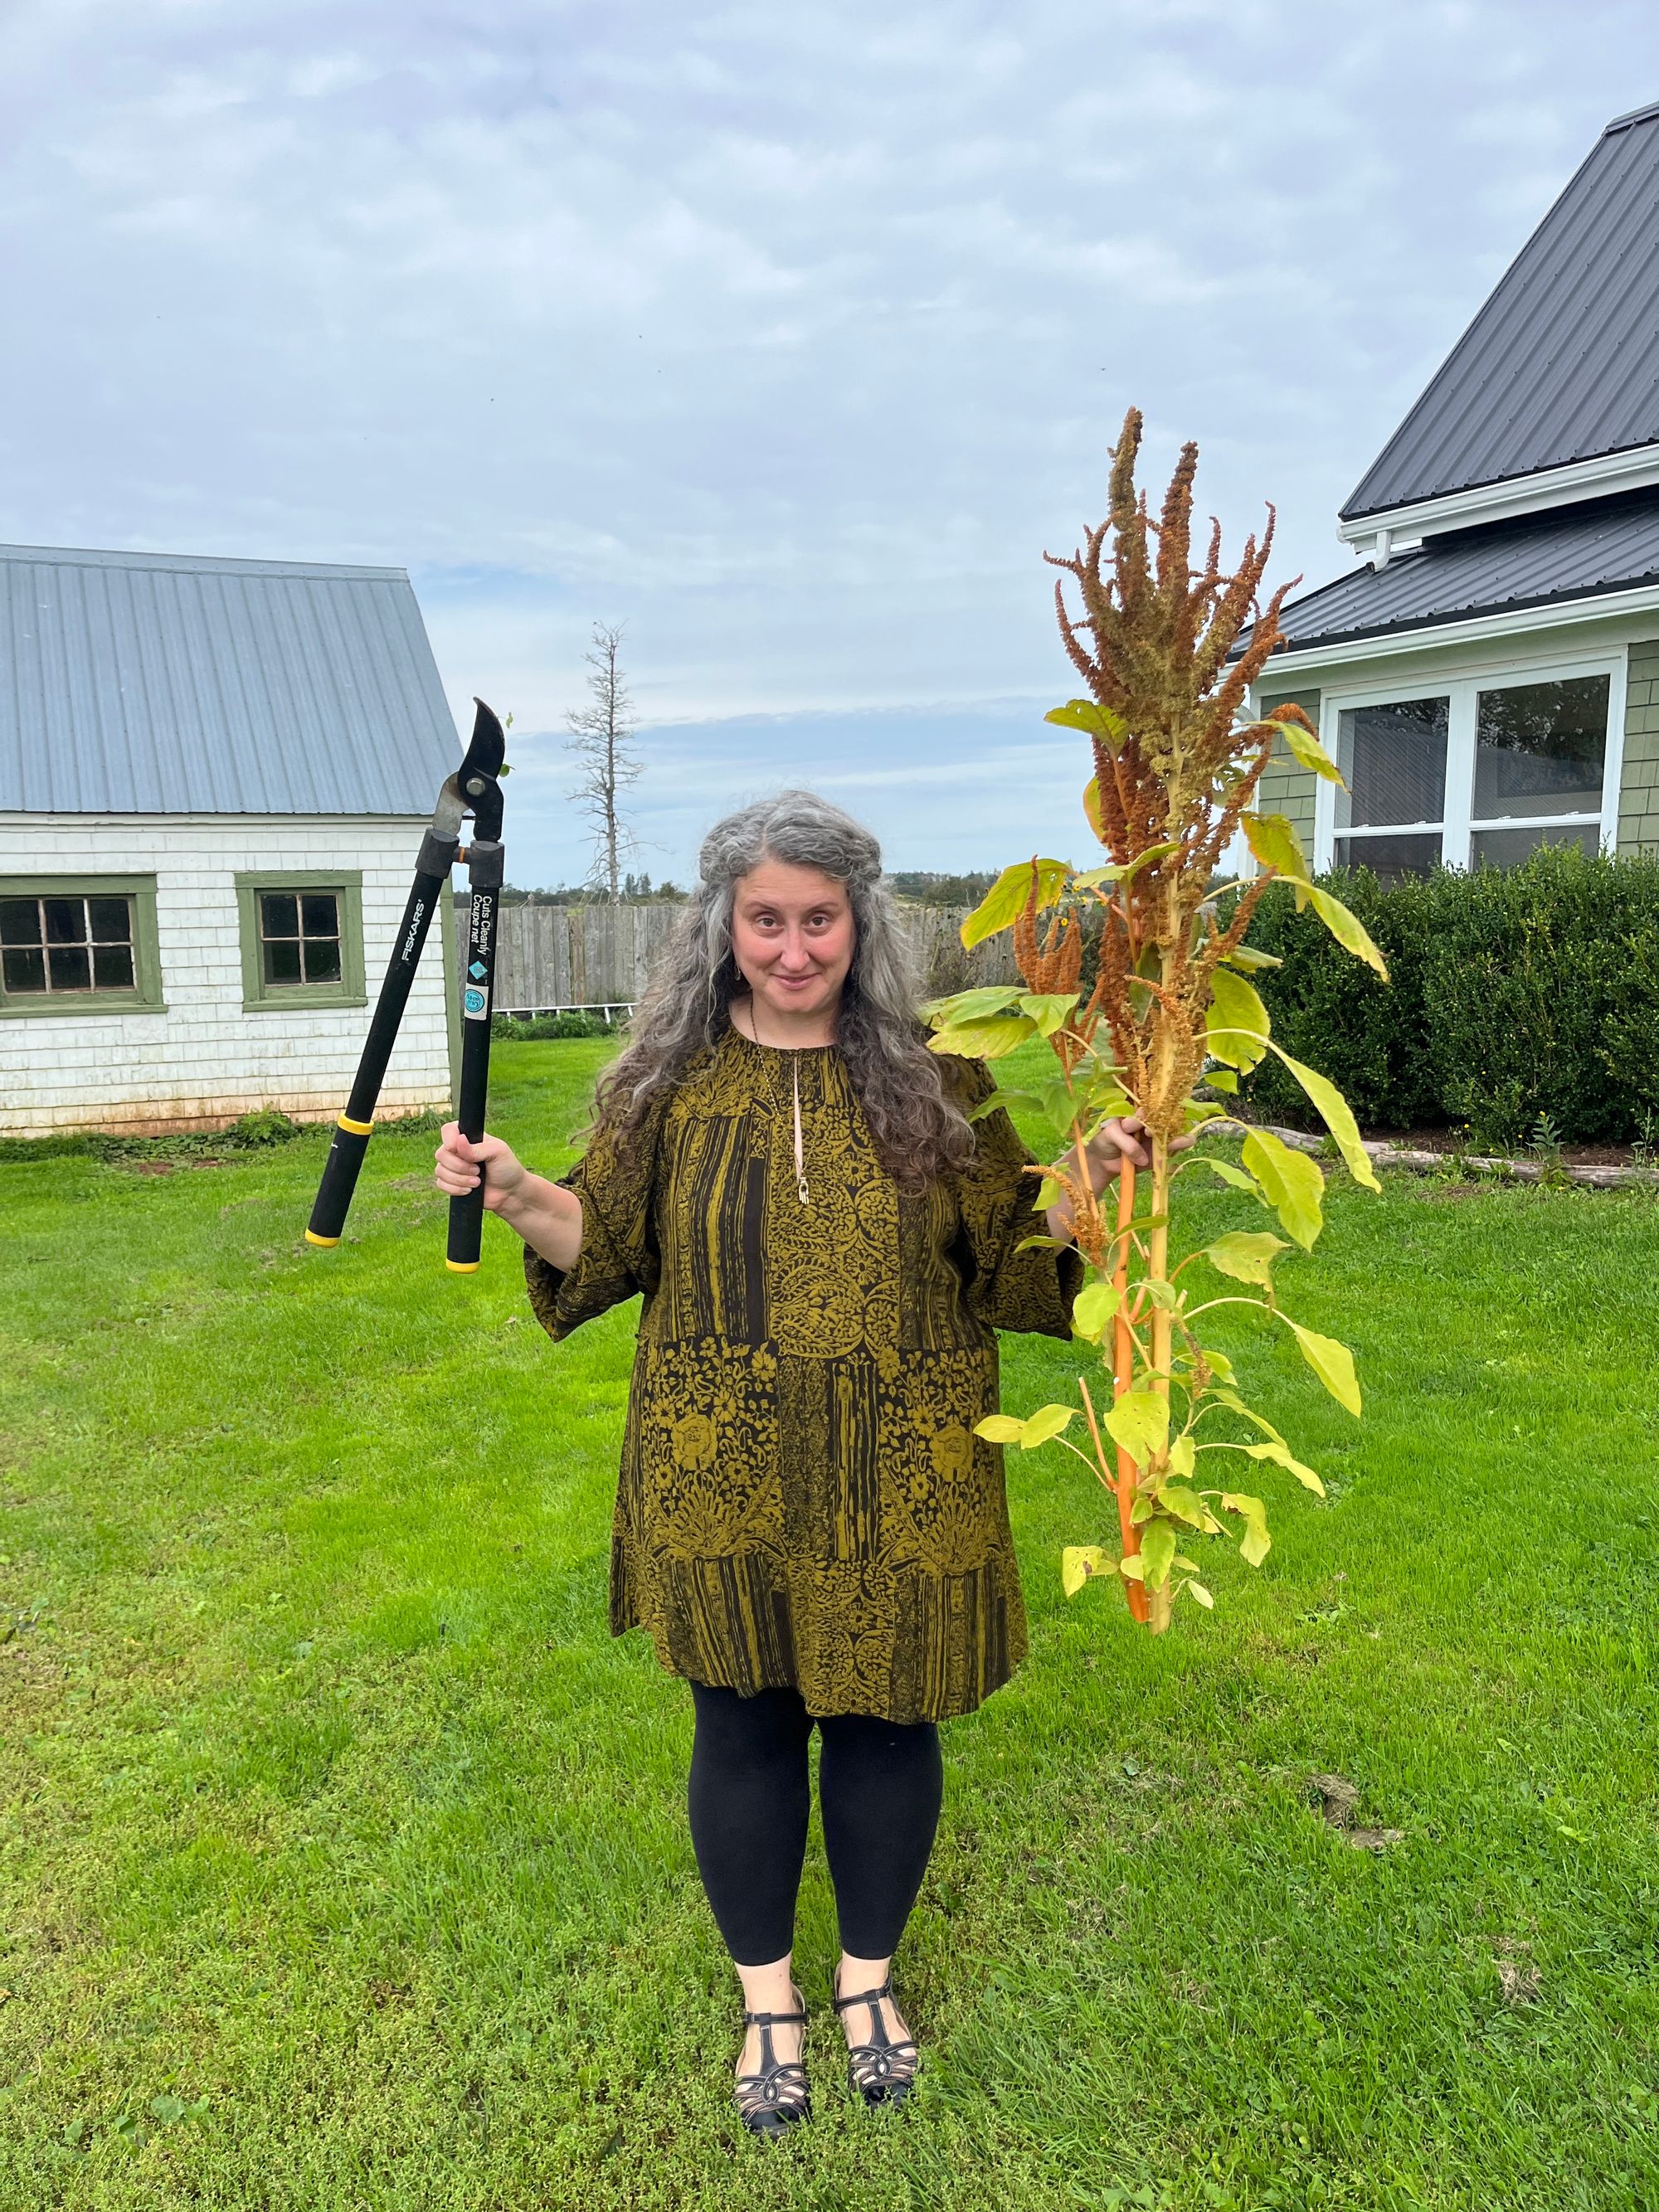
[(879, 1786)]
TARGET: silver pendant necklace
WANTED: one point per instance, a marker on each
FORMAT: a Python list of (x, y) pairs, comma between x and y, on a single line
[(800, 1166)]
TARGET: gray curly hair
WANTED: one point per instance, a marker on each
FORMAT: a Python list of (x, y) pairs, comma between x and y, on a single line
[(918, 1130)]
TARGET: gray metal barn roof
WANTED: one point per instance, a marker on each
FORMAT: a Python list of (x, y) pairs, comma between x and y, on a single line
[(1568, 553), (156, 684), (1562, 362)]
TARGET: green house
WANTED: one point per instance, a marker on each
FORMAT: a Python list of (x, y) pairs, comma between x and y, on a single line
[(1488, 678)]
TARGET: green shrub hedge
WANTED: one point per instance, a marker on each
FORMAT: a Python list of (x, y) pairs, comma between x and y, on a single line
[(1515, 993), (534, 1028)]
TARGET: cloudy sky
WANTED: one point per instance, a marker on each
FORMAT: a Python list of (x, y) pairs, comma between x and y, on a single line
[(788, 337)]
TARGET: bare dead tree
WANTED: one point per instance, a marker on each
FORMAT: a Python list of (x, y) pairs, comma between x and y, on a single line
[(601, 733)]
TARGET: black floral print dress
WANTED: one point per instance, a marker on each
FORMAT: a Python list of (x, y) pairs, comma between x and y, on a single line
[(802, 1498)]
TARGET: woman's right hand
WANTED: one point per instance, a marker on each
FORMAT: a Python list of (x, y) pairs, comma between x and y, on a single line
[(458, 1162)]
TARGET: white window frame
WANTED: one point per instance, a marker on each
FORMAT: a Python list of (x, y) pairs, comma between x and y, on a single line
[(1459, 691)]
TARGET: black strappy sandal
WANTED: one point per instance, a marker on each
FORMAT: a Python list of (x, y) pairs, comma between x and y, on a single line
[(880, 2071), (773, 2101)]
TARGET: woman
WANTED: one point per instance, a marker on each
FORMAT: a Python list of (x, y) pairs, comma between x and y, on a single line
[(805, 1523)]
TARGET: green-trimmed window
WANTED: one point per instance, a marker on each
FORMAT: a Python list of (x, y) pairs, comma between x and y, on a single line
[(78, 945), (302, 939)]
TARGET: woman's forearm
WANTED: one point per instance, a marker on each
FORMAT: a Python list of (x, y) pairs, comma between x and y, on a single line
[(548, 1217)]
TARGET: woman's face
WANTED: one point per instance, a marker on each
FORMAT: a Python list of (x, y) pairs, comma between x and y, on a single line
[(793, 934)]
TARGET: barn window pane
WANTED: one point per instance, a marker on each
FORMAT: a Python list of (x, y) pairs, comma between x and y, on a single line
[(322, 960), (68, 968), (23, 970), (111, 920), (112, 968), (20, 921), (283, 960), (66, 920), (279, 913)]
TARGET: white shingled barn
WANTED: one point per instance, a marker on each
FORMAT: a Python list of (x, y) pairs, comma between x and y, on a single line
[(214, 776)]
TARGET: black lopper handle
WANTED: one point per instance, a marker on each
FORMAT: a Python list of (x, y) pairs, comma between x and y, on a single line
[(356, 1125), (345, 1157), (485, 862)]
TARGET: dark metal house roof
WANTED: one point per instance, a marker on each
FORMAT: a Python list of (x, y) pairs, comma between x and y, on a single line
[(1562, 362), (156, 683), (1568, 553)]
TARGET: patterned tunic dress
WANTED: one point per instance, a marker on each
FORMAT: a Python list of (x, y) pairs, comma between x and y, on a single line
[(802, 1499)]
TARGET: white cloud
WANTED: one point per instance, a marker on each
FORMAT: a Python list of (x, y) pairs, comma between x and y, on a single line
[(792, 336)]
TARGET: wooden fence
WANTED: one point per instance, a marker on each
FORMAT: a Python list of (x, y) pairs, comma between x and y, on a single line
[(551, 958)]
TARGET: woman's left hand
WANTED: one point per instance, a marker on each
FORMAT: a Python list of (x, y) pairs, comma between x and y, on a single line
[(1123, 1137)]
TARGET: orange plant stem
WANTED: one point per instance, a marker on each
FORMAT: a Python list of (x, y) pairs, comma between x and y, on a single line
[(1123, 1371)]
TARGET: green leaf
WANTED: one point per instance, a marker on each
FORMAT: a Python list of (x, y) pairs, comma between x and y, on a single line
[(1092, 807), (1048, 1009), (1235, 1403), (1248, 1257), (1218, 1364), (1045, 1244), (1224, 1171), (993, 1038), (1223, 1079), (998, 1429), (1132, 1567), (1186, 1504), (1047, 1421), (1139, 1421), (1287, 1460), (1183, 1454), (1095, 1307), (1332, 1363), (1085, 714), (1119, 871), (1158, 1551), (1247, 956), (1272, 839), (971, 1006), (1347, 928), (1006, 898), (1255, 1543), (1338, 1117), (1080, 1562), (1292, 1183), (1195, 1589), (1308, 751), (1238, 1021), (1007, 1100)]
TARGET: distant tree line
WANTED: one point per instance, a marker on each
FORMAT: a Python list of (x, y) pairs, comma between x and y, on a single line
[(634, 890), (924, 887)]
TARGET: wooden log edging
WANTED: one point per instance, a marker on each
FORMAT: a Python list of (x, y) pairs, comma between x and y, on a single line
[(1422, 1163)]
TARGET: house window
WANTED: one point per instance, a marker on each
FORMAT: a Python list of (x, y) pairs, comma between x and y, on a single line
[(1473, 773), (299, 938), (302, 939), (1392, 758), (78, 945)]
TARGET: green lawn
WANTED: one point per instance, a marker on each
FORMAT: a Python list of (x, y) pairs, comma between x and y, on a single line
[(343, 1856)]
